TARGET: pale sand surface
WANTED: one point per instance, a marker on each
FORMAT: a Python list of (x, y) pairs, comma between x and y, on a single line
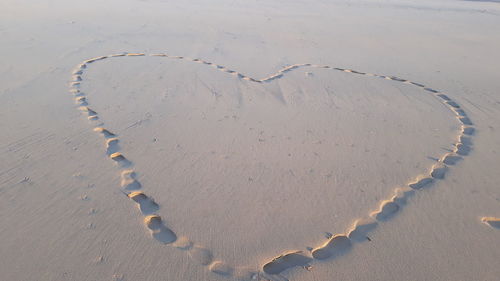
[(242, 172)]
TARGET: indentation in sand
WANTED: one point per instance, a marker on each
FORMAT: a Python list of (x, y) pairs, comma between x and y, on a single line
[(336, 245), (491, 221), (285, 261)]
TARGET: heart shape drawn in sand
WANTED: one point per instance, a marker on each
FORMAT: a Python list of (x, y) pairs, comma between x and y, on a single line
[(336, 244)]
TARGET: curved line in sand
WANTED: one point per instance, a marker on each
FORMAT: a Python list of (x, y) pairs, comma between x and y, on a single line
[(335, 245)]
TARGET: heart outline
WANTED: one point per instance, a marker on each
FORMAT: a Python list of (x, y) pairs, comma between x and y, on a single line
[(335, 245)]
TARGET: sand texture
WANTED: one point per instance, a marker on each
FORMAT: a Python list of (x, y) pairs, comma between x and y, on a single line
[(236, 140)]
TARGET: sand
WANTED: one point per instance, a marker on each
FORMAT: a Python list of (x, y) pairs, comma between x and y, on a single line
[(237, 140)]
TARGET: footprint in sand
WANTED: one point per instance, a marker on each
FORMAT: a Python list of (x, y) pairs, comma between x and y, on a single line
[(450, 158), (286, 261), (462, 149), (147, 205), (439, 170), (104, 132), (158, 230), (129, 181), (120, 159), (421, 182), (183, 243), (468, 131), (492, 221), (221, 268), (200, 255), (361, 228), (112, 146), (334, 247), (387, 209)]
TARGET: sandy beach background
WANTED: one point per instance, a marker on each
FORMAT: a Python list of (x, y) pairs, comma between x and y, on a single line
[(243, 158)]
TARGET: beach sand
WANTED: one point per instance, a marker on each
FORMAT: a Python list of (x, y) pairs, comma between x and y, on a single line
[(239, 140)]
